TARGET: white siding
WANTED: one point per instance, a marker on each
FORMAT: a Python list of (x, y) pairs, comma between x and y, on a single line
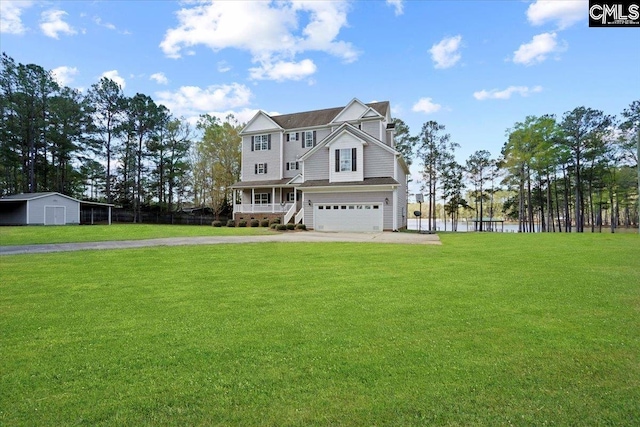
[(378, 162), (270, 157), (261, 123), (372, 128), (346, 141), (293, 150), (37, 209), (317, 166), (352, 112)]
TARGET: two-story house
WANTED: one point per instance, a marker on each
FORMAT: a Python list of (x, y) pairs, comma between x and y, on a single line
[(333, 170)]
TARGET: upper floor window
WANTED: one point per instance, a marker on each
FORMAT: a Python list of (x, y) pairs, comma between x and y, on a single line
[(260, 168), (309, 139), (261, 142), (346, 160), (293, 166)]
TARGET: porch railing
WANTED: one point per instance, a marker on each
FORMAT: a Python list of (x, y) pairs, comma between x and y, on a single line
[(290, 213), (263, 208)]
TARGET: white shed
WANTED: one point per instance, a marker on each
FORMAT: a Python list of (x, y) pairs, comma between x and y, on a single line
[(39, 209)]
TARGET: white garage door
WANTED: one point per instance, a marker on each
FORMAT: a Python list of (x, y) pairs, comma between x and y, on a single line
[(360, 217), (54, 215)]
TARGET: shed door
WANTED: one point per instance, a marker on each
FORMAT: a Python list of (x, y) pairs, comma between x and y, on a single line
[(54, 215), (360, 217)]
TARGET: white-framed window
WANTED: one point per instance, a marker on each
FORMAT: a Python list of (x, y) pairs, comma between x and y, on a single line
[(308, 139), (345, 160), (261, 142), (261, 198), (260, 168), (291, 166), (292, 136), (291, 197)]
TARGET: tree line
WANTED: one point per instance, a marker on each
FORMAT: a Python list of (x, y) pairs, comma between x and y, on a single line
[(579, 171), (104, 146)]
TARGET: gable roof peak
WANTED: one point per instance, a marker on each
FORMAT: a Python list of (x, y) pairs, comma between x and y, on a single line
[(307, 119)]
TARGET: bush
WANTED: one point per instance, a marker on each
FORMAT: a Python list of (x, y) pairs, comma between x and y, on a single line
[(291, 226), (273, 226), (275, 221), (231, 223), (301, 227), (217, 223), (281, 227), (242, 223), (264, 223), (255, 223)]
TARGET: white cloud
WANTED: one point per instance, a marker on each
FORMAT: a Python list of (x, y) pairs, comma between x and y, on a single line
[(537, 49), (426, 105), (397, 5), (52, 24), (272, 32), (107, 25), (64, 75), (113, 75), (10, 11), (282, 70), (159, 78), (565, 13), (223, 66), (445, 53), (192, 100), (506, 93)]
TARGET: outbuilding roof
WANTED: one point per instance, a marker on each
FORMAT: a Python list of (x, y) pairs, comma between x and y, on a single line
[(24, 197)]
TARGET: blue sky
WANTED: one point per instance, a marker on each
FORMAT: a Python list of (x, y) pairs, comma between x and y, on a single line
[(475, 66)]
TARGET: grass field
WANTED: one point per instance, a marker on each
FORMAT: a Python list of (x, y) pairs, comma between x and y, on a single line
[(487, 329), (32, 235)]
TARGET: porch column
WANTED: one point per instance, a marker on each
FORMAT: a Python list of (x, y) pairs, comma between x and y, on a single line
[(273, 199), (109, 215), (253, 197), (395, 209)]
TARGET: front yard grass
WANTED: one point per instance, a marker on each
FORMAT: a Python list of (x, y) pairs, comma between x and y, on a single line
[(32, 235), (487, 329)]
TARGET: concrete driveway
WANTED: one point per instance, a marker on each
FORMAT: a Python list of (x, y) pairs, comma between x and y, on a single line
[(290, 236)]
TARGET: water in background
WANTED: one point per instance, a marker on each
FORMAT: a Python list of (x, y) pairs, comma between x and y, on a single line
[(463, 226)]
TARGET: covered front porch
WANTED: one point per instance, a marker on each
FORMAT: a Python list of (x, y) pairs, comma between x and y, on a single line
[(262, 200)]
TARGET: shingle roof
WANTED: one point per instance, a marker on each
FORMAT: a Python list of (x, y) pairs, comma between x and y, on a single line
[(25, 196), (255, 184), (320, 117), (366, 181)]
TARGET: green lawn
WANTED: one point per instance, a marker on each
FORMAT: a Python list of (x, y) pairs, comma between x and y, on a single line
[(99, 233), (487, 329)]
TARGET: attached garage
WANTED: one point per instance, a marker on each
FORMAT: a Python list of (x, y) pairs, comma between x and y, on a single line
[(43, 209), (357, 217)]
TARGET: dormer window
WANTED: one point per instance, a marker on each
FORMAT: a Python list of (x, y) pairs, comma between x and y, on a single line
[(261, 142), (346, 160)]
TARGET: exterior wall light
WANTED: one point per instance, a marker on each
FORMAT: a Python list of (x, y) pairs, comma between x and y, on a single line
[(309, 202), (386, 200)]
